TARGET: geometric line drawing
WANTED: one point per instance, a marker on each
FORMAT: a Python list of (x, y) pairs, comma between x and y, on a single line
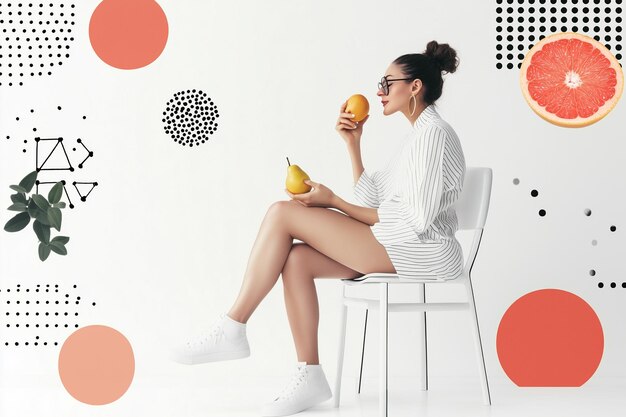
[(41, 168), (89, 153), (84, 197)]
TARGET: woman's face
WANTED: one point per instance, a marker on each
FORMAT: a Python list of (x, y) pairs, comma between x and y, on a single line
[(397, 99)]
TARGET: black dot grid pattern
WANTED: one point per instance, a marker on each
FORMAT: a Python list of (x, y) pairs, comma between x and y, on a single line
[(44, 307), (520, 24), (35, 37), (587, 212), (189, 117)]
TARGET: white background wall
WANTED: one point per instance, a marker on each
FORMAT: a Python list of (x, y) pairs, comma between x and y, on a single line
[(162, 243)]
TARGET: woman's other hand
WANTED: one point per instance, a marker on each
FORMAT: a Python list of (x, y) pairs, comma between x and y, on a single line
[(318, 196), (350, 131)]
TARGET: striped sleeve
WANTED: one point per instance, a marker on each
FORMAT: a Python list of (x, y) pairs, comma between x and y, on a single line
[(412, 210), (366, 190)]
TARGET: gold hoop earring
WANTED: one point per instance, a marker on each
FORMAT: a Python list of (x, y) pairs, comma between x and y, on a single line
[(415, 106)]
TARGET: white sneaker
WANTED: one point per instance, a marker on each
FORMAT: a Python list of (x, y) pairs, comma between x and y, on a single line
[(225, 340), (307, 387)]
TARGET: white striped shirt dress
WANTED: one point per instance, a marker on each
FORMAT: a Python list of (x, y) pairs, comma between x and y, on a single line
[(413, 195)]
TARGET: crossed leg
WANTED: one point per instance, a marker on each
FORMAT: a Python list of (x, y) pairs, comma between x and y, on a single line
[(335, 246)]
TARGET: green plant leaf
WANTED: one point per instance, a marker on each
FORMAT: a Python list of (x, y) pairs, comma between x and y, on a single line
[(17, 223), (42, 232), (42, 217), (44, 251), (59, 205), (18, 207), (41, 201), (28, 181), (54, 217), (61, 239), (18, 188), (33, 210), (19, 198), (55, 194), (58, 247)]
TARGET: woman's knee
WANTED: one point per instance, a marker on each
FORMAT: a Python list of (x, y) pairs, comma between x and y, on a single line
[(278, 209)]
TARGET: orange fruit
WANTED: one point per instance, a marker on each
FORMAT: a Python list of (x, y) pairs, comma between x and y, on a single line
[(571, 80), (358, 105)]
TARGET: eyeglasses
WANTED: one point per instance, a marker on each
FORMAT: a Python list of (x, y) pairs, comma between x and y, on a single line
[(384, 83)]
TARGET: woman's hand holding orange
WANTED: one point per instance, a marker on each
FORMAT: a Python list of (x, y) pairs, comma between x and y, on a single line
[(350, 131)]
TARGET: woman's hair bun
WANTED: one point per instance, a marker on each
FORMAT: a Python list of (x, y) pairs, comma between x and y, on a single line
[(442, 55)]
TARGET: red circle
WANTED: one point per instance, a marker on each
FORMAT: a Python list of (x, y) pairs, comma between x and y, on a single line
[(550, 338), (128, 34)]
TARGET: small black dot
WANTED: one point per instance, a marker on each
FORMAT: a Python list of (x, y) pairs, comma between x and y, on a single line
[(600, 285), (534, 193), (542, 212), (612, 285), (613, 228)]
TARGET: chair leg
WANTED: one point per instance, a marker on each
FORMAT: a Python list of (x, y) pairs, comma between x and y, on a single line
[(342, 344), (362, 352), (423, 340), (384, 333), (478, 343)]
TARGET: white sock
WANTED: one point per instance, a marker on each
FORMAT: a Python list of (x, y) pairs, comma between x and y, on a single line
[(233, 328)]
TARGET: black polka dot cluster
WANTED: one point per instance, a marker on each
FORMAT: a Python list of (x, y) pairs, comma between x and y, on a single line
[(587, 212), (43, 308), (522, 23), (190, 117), (17, 119), (35, 37)]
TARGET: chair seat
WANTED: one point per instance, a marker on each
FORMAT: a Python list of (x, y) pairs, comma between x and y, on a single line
[(378, 277)]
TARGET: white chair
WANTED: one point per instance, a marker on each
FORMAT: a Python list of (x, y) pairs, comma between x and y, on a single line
[(471, 208)]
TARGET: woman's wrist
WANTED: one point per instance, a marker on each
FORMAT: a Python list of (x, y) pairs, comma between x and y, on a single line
[(335, 202)]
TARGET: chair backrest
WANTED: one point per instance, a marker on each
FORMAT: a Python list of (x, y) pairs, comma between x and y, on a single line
[(473, 203)]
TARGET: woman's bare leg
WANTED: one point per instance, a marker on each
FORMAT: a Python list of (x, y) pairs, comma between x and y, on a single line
[(303, 265), (336, 235)]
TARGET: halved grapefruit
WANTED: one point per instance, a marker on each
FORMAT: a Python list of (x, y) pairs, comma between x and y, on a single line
[(571, 80)]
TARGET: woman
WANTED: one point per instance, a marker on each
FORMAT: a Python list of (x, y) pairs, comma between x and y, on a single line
[(405, 225)]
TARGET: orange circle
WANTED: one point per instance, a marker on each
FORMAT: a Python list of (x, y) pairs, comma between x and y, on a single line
[(550, 338), (358, 105), (96, 364), (128, 34)]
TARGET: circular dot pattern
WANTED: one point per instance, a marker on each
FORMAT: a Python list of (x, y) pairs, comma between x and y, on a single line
[(519, 27), (34, 39), (190, 117)]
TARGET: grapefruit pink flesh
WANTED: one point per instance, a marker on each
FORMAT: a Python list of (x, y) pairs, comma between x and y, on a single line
[(571, 80)]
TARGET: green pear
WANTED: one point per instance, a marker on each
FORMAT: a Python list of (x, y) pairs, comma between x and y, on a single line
[(295, 179)]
